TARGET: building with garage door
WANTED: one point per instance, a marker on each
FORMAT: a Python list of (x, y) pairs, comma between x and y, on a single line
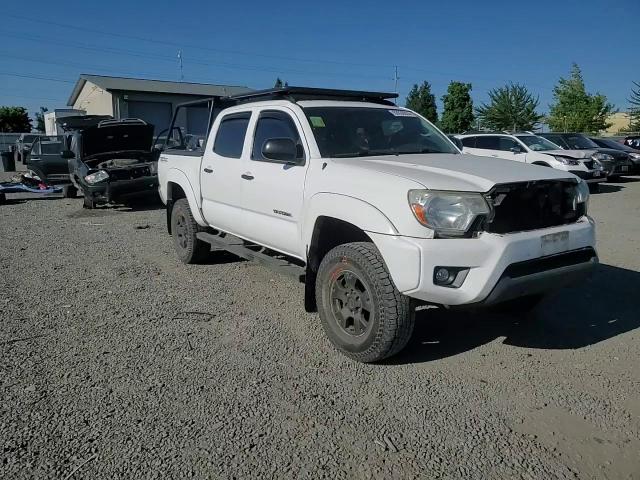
[(151, 100)]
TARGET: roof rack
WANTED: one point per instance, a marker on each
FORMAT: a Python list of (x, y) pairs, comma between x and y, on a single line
[(295, 94)]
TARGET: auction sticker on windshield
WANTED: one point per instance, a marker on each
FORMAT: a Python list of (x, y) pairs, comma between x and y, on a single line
[(554, 243)]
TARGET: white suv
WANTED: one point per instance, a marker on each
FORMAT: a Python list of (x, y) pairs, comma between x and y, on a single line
[(529, 148)]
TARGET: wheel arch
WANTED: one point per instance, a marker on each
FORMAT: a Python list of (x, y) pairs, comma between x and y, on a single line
[(178, 186)]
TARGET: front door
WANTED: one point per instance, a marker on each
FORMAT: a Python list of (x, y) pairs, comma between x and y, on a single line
[(273, 191), (510, 149), (220, 171), (47, 162)]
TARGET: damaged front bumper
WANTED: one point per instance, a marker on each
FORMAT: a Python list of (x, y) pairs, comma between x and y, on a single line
[(123, 183)]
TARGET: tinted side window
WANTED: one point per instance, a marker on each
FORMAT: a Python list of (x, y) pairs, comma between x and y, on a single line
[(487, 143), (469, 142), (230, 136), (274, 124), (506, 144)]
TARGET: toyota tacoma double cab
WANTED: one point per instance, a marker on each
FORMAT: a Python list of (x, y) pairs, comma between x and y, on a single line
[(374, 209)]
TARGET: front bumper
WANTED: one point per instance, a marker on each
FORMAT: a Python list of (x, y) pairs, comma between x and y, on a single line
[(113, 190), (411, 262), (590, 176)]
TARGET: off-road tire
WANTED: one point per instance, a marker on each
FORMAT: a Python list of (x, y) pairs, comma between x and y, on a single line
[(391, 317), (69, 191), (184, 229)]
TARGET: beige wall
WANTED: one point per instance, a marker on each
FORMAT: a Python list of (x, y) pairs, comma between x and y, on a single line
[(94, 100), (620, 121)]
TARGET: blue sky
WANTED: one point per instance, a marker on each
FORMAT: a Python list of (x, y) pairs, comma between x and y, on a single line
[(340, 44)]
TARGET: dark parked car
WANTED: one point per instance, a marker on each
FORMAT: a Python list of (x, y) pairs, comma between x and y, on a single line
[(632, 152), (614, 161), (48, 163), (633, 142), (23, 146), (111, 160)]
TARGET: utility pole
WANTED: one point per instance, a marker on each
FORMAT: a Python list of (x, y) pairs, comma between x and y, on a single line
[(395, 80), (180, 60)]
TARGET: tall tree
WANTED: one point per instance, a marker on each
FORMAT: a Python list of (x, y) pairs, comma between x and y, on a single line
[(634, 111), (279, 83), (421, 100), (40, 119), (457, 115), (576, 110), (14, 119), (511, 107)]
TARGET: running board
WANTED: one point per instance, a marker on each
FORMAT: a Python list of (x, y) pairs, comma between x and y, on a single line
[(239, 247)]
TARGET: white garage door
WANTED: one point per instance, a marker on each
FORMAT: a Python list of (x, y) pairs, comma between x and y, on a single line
[(158, 113)]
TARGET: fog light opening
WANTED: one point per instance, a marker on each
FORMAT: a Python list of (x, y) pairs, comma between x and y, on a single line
[(451, 277)]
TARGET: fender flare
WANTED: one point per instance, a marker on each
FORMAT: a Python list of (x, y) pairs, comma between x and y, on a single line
[(179, 178), (348, 209)]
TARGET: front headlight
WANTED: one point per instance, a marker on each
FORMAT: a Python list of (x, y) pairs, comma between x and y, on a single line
[(448, 213), (582, 194), (96, 177), (635, 156), (566, 161), (602, 156)]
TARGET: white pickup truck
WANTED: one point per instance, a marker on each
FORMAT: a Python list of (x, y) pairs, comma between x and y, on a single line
[(373, 208)]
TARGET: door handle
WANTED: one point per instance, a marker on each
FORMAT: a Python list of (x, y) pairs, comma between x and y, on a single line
[(208, 170), (247, 176), (494, 156)]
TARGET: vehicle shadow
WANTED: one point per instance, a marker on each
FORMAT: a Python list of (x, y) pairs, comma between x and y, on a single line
[(221, 257), (608, 188), (604, 306), (627, 179)]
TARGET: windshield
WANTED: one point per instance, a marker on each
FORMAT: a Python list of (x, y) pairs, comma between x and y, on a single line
[(366, 131), (51, 148), (537, 144), (579, 142)]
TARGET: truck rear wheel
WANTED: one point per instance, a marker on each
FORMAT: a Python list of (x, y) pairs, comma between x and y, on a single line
[(362, 312), (184, 229)]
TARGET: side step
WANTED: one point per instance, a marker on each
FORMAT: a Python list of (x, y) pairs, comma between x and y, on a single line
[(239, 247)]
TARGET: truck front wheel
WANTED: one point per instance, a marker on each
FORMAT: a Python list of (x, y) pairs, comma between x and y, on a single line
[(184, 229), (362, 312)]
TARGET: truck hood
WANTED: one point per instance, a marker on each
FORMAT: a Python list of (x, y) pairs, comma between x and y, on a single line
[(460, 172)]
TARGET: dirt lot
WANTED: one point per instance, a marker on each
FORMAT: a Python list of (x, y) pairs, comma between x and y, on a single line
[(118, 362)]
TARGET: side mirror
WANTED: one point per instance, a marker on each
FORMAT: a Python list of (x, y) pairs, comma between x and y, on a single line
[(516, 149), (67, 154), (280, 150)]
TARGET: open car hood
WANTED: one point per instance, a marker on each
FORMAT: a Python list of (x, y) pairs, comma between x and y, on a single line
[(80, 122), (116, 137)]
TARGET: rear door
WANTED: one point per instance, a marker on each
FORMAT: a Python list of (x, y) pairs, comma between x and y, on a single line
[(47, 162), (273, 191), (485, 145), (220, 171)]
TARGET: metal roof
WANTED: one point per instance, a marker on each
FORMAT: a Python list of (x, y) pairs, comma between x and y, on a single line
[(156, 86)]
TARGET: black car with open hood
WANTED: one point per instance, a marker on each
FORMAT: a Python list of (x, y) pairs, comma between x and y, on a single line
[(111, 160)]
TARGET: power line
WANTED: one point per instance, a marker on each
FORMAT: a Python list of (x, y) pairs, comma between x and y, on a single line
[(38, 77), (182, 45)]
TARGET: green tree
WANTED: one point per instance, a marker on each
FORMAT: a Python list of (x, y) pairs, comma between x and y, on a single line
[(279, 83), (14, 119), (40, 119), (421, 100), (634, 111), (576, 110), (457, 115), (511, 107)]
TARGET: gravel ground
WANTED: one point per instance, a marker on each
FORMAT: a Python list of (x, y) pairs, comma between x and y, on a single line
[(119, 362)]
